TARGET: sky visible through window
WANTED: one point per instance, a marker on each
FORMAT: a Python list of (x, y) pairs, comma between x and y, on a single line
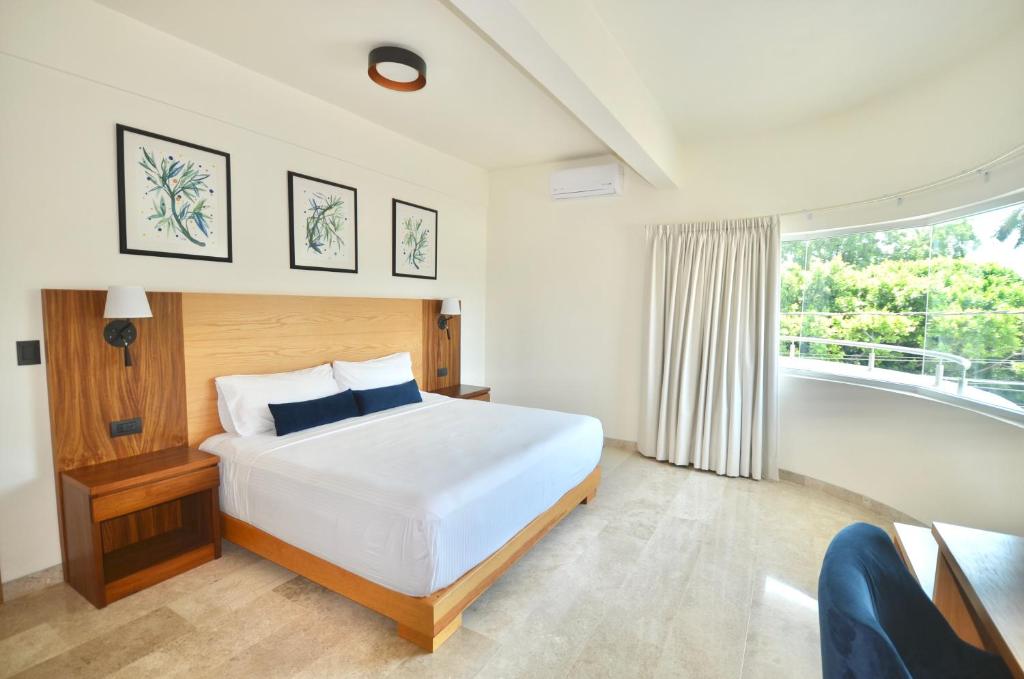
[(992, 249), (954, 289)]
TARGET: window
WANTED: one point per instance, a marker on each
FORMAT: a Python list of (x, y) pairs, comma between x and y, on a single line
[(938, 309)]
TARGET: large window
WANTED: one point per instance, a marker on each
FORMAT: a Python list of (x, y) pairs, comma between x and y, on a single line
[(938, 308)]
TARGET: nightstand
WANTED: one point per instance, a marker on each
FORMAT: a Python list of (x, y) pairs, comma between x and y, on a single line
[(134, 522), (467, 391)]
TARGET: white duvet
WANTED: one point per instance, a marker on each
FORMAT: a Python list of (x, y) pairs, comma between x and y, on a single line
[(410, 498)]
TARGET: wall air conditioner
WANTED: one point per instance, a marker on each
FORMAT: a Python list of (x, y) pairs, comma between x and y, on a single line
[(584, 182)]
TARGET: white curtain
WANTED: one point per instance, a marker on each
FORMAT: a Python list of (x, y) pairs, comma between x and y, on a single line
[(710, 363)]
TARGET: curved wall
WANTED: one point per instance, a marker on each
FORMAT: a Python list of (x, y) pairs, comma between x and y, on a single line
[(932, 460), (563, 326)]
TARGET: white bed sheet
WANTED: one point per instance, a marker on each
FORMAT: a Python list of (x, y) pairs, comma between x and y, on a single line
[(410, 498)]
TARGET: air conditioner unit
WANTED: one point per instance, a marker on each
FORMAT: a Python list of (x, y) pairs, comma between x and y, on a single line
[(584, 182)]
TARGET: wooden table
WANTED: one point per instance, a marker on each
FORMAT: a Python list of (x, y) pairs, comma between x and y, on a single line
[(979, 587), (466, 391), (133, 522)]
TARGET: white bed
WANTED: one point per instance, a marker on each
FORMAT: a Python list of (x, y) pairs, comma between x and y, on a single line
[(410, 498)]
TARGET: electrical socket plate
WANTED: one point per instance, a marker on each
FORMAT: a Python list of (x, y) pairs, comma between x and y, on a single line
[(126, 427)]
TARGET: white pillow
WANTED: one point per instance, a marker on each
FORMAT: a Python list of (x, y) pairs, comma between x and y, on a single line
[(223, 412), (378, 372), (242, 399)]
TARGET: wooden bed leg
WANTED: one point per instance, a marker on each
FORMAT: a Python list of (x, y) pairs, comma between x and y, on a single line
[(589, 498), (424, 640)]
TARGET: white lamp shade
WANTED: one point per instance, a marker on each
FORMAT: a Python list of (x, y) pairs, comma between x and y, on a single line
[(126, 301), (451, 307)]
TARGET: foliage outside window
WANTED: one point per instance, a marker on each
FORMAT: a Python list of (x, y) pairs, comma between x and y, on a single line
[(955, 287)]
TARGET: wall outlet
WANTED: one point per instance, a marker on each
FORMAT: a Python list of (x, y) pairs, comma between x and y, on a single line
[(28, 352), (126, 427), (442, 372)]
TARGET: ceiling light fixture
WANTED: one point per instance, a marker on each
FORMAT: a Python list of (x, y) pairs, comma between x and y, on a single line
[(397, 69)]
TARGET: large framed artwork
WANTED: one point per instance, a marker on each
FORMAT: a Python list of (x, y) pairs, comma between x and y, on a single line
[(174, 197), (323, 230), (413, 240)]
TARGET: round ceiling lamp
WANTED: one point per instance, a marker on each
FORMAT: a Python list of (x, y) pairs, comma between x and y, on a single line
[(397, 69)]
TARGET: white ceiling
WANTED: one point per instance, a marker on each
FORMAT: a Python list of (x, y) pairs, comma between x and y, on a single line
[(727, 67), (476, 106), (713, 68)]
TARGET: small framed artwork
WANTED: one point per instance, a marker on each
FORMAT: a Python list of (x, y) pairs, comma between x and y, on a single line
[(413, 240), (174, 197), (323, 233)]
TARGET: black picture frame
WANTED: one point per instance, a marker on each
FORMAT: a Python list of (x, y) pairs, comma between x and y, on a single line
[(291, 223), (122, 197), (395, 202)]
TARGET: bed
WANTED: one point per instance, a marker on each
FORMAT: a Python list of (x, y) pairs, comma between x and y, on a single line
[(412, 511), (384, 529)]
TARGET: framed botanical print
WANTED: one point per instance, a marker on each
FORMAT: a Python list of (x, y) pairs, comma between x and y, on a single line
[(322, 225), (174, 197), (413, 240)]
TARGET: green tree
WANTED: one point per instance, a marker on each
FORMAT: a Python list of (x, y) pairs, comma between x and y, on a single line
[(852, 287), (1014, 223), (956, 239)]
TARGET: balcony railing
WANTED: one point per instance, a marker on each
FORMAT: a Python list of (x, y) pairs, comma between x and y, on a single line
[(940, 357)]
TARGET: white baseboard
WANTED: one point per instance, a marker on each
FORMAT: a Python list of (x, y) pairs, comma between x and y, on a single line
[(620, 443), (848, 495), (33, 582)]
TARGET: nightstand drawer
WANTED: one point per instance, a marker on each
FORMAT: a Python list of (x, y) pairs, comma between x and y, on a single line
[(134, 499)]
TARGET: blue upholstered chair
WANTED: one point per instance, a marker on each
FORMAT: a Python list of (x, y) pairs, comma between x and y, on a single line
[(877, 622)]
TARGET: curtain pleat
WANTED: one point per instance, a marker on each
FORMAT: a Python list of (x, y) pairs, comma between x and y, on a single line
[(710, 364)]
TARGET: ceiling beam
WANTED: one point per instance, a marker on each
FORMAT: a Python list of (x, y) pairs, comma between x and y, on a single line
[(565, 47)]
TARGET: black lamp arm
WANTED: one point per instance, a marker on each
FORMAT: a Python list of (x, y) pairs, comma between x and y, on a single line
[(442, 323), (121, 333)]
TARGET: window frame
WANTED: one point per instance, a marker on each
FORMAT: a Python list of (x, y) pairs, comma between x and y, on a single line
[(1005, 200)]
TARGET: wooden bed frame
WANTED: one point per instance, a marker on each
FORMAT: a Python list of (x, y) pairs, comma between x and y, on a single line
[(194, 337), (426, 621)]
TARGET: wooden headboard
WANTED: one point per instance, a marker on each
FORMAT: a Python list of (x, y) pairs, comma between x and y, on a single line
[(89, 386), (194, 337), (236, 334)]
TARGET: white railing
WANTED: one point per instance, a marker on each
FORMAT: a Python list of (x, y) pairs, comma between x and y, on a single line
[(940, 357)]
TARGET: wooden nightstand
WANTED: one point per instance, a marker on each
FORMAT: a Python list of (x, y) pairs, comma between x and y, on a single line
[(467, 391), (134, 522)]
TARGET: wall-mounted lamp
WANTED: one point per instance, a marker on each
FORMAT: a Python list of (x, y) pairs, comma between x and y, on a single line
[(449, 307), (124, 302)]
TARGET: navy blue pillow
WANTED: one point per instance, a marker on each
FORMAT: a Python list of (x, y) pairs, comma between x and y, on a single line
[(382, 398), (292, 417)]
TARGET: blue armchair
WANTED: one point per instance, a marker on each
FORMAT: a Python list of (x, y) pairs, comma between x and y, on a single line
[(877, 623)]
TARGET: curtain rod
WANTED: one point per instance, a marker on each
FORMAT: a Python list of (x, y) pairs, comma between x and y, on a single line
[(982, 170)]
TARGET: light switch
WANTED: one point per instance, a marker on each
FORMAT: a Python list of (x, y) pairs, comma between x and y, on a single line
[(28, 352)]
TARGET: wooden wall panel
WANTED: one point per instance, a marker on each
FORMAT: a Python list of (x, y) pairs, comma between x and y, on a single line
[(234, 334), (439, 351), (89, 386)]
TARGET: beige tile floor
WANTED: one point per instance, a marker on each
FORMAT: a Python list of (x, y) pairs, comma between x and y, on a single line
[(670, 573)]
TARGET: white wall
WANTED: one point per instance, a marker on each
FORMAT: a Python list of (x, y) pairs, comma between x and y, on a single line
[(934, 461), (564, 282), (68, 72)]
